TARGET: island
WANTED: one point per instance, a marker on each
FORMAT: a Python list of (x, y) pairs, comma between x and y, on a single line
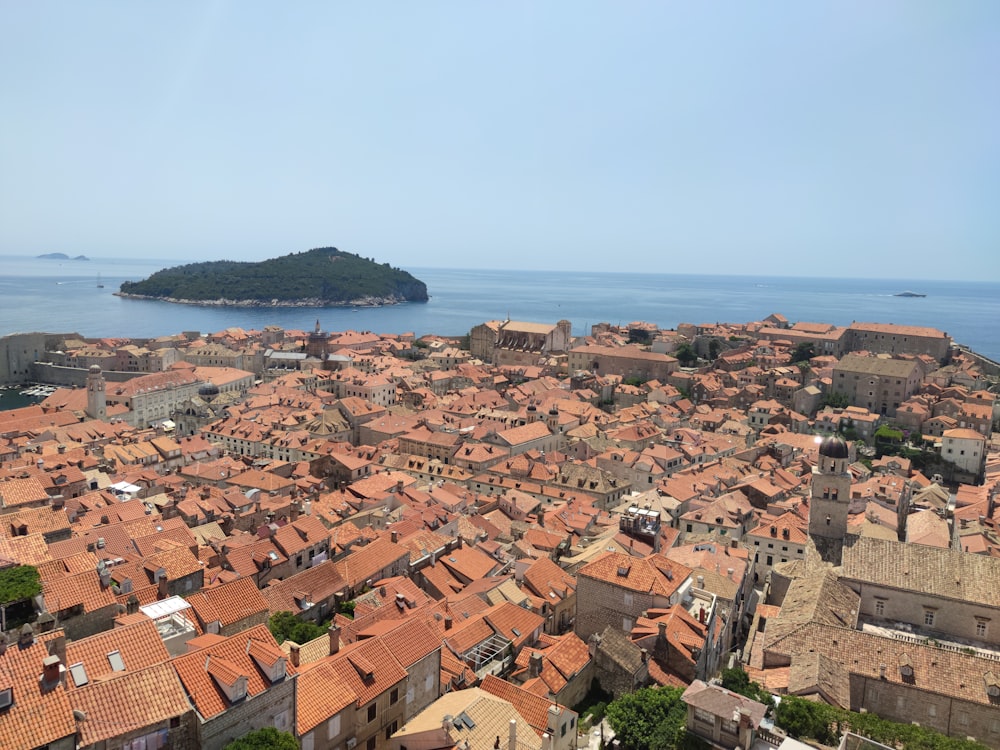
[(909, 294), (321, 277), (60, 256)]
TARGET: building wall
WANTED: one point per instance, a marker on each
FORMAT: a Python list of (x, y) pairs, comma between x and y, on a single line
[(275, 707), (600, 604), (423, 683), (951, 617), (388, 714), (332, 733), (908, 703)]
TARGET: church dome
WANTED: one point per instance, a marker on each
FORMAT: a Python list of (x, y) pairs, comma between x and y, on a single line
[(833, 447), (96, 369)]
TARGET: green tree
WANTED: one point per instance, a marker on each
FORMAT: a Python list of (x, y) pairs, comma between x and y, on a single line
[(19, 582), (836, 400), (18, 585), (803, 351), (738, 681), (805, 719), (285, 626), (686, 355), (649, 718), (267, 738)]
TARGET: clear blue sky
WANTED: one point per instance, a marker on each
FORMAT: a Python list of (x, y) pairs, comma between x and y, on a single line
[(792, 138)]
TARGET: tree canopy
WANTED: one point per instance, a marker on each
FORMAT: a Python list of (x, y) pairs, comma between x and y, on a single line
[(19, 583), (803, 351), (267, 738), (806, 719), (320, 276), (285, 626), (649, 719)]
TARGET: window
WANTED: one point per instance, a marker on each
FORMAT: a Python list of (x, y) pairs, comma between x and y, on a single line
[(629, 599), (370, 745), (391, 729), (393, 696), (371, 712), (115, 660), (333, 727), (880, 607), (929, 617), (980, 628)]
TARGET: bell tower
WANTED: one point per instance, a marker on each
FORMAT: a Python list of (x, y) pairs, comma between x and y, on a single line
[(830, 499), (97, 405)]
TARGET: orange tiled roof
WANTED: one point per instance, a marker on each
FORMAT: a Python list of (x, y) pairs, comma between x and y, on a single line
[(37, 717), (229, 658), (137, 646), (132, 701)]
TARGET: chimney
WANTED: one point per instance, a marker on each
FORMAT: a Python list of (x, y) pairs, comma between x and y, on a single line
[(132, 605), (52, 672), (512, 735), (57, 647), (293, 654), (447, 622), (661, 631), (26, 637), (394, 536), (645, 656), (534, 664), (334, 633)]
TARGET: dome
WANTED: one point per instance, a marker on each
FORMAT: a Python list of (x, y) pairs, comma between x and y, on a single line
[(833, 447), (96, 369), (208, 390)]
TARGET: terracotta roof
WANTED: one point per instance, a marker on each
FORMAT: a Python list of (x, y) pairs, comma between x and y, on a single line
[(319, 695), (129, 702), (944, 573), (126, 649), (228, 658), (411, 640), (228, 603), (533, 708), (37, 717), (654, 574)]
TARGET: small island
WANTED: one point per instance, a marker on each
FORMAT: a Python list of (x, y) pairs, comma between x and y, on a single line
[(909, 294), (322, 277), (60, 256)]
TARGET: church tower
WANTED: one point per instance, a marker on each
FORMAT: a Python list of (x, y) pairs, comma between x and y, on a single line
[(97, 405), (830, 498)]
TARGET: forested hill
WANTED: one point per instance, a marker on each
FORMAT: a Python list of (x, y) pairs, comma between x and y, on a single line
[(319, 277)]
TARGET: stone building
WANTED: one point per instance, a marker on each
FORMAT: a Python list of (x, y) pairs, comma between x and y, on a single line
[(830, 499), (878, 384)]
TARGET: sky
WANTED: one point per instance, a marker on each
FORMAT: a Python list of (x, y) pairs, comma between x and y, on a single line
[(784, 138)]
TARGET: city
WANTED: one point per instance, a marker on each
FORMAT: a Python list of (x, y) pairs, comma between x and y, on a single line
[(468, 535)]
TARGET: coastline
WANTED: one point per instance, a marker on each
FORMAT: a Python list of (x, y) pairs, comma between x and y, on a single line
[(244, 303)]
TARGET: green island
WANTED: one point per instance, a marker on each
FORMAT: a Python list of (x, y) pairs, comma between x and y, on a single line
[(321, 277)]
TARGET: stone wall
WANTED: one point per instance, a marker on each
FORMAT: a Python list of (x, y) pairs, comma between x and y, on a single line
[(275, 707)]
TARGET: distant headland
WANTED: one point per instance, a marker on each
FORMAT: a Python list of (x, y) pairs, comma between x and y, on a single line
[(61, 256), (322, 277)]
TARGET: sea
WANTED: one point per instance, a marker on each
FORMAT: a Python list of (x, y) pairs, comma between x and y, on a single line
[(78, 296)]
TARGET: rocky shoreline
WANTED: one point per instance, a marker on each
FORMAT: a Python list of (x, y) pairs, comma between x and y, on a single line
[(309, 302)]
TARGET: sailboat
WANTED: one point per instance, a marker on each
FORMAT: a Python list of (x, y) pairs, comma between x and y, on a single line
[(99, 284)]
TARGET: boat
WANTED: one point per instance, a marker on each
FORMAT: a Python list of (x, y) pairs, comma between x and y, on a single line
[(909, 294), (99, 284)]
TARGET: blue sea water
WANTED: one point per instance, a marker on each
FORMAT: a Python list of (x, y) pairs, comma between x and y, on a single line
[(63, 296)]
